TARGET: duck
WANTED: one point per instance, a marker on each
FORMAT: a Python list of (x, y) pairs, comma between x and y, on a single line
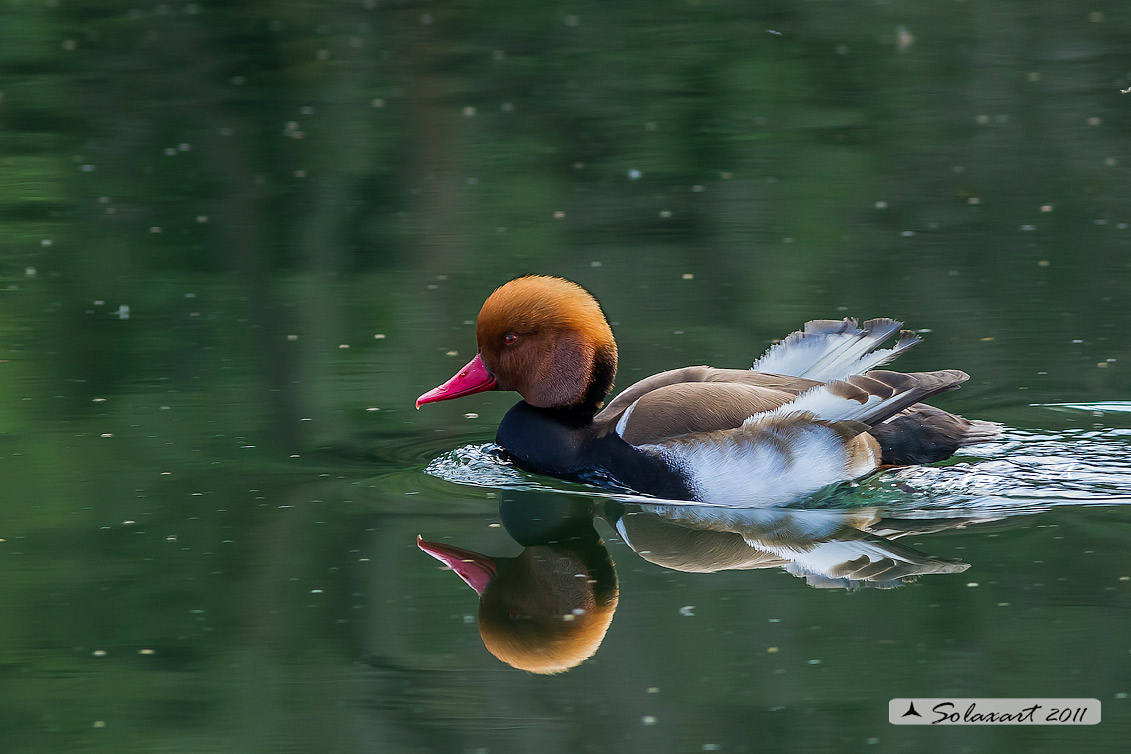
[(813, 411)]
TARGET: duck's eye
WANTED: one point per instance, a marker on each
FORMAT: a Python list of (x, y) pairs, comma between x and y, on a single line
[(510, 338), (513, 614)]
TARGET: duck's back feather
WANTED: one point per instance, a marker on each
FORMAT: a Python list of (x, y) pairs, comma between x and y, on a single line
[(829, 349), (767, 388)]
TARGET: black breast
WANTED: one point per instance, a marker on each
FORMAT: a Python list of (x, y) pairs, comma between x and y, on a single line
[(544, 440), (564, 445)]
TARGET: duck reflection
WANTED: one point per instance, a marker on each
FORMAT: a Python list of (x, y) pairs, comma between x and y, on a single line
[(547, 609), (829, 549)]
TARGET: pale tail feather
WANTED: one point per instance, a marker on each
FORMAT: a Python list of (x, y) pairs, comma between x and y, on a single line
[(828, 349), (867, 399)]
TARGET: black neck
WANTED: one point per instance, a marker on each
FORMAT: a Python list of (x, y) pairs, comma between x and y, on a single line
[(600, 382)]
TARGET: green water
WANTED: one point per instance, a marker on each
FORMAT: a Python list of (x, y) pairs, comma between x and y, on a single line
[(237, 241)]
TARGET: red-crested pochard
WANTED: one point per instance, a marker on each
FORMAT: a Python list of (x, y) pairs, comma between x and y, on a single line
[(807, 414)]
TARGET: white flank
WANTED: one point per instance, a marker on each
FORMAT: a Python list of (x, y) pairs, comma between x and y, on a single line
[(759, 464)]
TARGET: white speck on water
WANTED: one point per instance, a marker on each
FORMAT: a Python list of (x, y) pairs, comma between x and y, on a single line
[(343, 345), (372, 408), (558, 215), (48, 241), (594, 264), (972, 584), (652, 690), (881, 205), (665, 213), (1028, 227), (316, 591), (907, 233), (99, 653), (688, 276), (903, 39), (687, 611), (378, 102), (572, 20), (471, 415), (648, 720), (29, 272), (814, 662), (154, 228), (634, 174), (469, 112)]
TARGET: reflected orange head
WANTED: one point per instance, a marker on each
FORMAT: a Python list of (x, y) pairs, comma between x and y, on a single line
[(539, 616)]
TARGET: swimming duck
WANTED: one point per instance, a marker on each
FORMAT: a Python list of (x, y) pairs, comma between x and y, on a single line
[(811, 412)]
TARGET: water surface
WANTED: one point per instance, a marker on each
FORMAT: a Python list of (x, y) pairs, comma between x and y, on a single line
[(236, 243)]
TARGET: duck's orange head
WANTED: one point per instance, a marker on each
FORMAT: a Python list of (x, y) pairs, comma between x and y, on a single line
[(547, 339)]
